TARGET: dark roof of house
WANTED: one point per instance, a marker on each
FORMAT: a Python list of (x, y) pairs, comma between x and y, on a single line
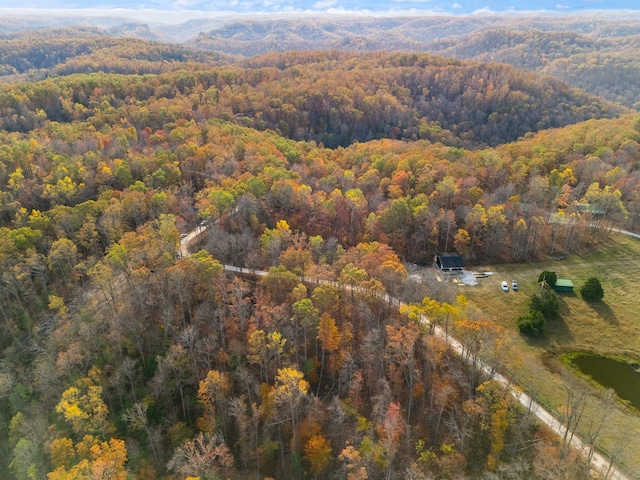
[(450, 260)]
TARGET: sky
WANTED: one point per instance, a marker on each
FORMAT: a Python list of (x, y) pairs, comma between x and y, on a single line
[(197, 8)]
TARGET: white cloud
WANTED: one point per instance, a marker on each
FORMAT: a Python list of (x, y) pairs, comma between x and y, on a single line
[(561, 7), (324, 4), (185, 3), (456, 6)]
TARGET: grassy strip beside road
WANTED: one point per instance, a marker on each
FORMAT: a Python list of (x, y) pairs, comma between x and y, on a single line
[(611, 327)]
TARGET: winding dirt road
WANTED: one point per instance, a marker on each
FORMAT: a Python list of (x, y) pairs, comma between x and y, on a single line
[(599, 463)]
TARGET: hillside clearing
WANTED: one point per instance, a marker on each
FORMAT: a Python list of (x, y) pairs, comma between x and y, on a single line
[(610, 327)]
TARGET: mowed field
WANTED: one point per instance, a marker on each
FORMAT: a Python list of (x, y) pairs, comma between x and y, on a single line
[(611, 327)]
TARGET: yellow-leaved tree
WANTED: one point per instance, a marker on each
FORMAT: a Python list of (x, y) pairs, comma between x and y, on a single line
[(317, 451), (89, 458), (83, 408), (288, 395), (90, 452)]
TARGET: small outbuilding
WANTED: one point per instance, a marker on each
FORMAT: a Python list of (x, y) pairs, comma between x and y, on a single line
[(563, 285), (449, 262)]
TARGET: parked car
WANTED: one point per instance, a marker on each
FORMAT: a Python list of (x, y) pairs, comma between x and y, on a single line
[(505, 287), (514, 285)]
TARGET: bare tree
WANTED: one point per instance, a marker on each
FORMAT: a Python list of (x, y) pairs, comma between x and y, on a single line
[(597, 422), (201, 456), (136, 417), (614, 456), (573, 408)]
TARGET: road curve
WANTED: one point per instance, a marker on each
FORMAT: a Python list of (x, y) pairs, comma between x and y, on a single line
[(598, 462)]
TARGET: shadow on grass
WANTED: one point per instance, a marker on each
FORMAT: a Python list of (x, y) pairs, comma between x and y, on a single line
[(563, 296), (570, 294), (603, 310), (556, 334), (558, 331)]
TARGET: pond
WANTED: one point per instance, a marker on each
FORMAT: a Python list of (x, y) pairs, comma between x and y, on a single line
[(622, 377)]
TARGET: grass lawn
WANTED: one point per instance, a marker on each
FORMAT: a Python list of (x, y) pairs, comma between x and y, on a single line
[(610, 327)]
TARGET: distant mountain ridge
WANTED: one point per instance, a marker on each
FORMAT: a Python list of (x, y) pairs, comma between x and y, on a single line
[(409, 29), (83, 49), (598, 55)]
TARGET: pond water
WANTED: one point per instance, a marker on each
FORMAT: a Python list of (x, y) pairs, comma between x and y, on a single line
[(622, 377)]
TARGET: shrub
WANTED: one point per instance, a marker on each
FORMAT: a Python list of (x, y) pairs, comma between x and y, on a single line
[(550, 277), (592, 291), (548, 305), (531, 324)]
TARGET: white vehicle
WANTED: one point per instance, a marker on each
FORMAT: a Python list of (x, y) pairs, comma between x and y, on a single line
[(514, 285), (505, 287)]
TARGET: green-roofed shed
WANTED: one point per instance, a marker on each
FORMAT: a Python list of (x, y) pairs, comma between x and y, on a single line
[(563, 285)]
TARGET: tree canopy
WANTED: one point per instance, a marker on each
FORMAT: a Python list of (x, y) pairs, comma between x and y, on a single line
[(124, 354)]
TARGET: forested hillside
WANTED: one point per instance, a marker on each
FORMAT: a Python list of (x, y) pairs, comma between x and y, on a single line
[(120, 357), (599, 55), (596, 53), (416, 34), (85, 50), (334, 98), (607, 67)]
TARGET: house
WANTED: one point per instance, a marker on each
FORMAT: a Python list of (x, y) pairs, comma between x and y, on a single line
[(594, 210), (563, 285), (449, 262)]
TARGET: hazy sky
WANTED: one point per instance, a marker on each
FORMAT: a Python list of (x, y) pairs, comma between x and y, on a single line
[(372, 6)]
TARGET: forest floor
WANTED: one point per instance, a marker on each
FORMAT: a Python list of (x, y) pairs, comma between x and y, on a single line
[(610, 327)]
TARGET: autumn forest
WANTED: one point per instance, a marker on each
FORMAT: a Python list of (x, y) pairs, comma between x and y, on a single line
[(125, 355)]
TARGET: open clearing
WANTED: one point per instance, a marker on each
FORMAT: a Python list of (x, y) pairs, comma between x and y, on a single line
[(611, 327)]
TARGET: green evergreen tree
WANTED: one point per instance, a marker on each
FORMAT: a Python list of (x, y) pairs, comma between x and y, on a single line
[(547, 305), (549, 277), (592, 290), (531, 324)]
